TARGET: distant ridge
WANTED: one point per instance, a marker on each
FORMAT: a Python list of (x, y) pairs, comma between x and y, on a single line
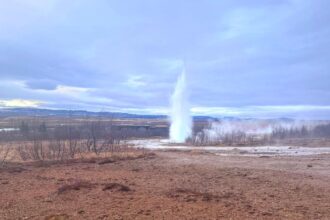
[(7, 112), (14, 112)]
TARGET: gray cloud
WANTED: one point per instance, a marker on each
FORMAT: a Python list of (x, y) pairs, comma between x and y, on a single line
[(237, 53), (42, 84)]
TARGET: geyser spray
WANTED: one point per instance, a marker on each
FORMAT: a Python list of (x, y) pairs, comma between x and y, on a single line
[(181, 121)]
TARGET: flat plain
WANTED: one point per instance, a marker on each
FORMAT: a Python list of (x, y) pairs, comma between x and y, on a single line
[(168, 185)]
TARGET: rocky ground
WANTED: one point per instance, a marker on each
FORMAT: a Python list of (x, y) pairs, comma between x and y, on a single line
[(169, 185)]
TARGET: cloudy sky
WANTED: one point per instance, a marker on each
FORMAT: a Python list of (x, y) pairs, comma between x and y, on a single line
[(243, 58)]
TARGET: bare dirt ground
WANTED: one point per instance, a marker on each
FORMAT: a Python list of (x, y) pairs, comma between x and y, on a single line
[(169, 185)]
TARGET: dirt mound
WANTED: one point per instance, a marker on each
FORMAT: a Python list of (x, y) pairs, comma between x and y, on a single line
[(105, 161), (57, 217), (77, 185), (189, 195), (117, 158), (12, 169), (116, 187)]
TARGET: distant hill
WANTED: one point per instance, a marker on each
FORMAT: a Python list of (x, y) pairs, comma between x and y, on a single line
[(7, 112), (10, 112)]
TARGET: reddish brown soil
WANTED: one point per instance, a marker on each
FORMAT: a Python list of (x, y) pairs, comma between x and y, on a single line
[(172, 185)]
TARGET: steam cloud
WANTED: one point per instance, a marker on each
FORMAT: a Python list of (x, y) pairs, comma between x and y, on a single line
[(217, 131), (181, 121)]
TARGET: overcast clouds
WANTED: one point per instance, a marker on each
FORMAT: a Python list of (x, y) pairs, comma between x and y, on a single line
[(243, 58)]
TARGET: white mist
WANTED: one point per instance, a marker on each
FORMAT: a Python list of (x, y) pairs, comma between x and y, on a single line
[(181, 121)]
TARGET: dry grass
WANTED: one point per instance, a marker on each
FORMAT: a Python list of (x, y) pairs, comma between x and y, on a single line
[(13, 152)]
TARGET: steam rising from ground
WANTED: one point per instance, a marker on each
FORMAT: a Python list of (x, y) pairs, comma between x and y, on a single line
[(181, 121), (243, 130)]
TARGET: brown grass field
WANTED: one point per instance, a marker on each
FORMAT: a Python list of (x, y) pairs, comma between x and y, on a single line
[(121, 182), (168, 185)]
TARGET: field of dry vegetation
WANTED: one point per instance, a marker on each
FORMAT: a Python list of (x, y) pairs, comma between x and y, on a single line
[(167, 185), (69, 170)]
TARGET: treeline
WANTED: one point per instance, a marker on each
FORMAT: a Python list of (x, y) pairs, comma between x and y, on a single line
[(35, 129), (318, 131), (233, 138), (34, 140)]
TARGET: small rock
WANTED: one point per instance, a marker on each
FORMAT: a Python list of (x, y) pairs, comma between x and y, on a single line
[(267, 214), (48, 200)]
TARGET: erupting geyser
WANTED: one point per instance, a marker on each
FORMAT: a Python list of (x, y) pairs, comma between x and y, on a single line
[(181, 120)]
